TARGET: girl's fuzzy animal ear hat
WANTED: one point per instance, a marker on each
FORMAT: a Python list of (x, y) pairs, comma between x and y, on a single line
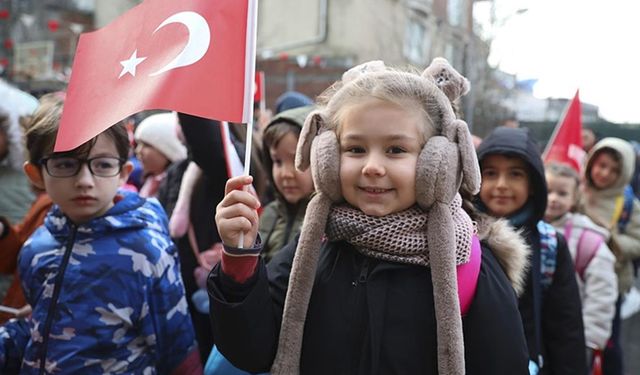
[(447, 163)]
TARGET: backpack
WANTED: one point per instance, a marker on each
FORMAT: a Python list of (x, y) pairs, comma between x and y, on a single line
[(542, 280), (588, 244), (623, 211), (624, 208), (467, 275)]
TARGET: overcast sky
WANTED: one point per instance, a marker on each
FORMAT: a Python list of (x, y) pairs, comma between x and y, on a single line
[(592, 45)]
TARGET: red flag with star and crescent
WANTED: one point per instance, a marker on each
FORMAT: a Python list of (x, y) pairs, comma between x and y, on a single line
[(565, 144), (191, 56)]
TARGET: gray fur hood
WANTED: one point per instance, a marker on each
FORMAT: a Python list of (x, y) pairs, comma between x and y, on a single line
[(508, 246)]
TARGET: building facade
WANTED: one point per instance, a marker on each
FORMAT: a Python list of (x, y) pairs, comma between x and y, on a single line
[(297, 41), (39, 38)]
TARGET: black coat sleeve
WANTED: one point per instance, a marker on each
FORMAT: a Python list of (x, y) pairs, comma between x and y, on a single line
[(562, 328), (494, 337), (246, 317), (204, 141)]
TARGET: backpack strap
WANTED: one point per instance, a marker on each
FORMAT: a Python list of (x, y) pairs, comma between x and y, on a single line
[(587, 247), (545, 265), (467, 275), (627, 206), (548, 253), (568, 228)]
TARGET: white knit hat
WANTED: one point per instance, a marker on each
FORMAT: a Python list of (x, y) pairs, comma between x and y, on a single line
[(159, 131)]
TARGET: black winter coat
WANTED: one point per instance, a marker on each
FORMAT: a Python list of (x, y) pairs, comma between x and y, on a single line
[(366, 316), (204, 141), (560, 336)]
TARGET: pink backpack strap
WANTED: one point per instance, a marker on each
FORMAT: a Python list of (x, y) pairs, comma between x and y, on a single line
[(467, 275), (588, 244), (568, 227)]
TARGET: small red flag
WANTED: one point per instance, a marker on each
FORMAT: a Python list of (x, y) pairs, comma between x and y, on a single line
[(191, 56), (565, 144), (258, 94)]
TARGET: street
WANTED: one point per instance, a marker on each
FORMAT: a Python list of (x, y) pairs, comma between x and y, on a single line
[(631, 342)]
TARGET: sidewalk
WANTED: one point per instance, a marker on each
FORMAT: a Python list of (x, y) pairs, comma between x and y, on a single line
[(631, 342)]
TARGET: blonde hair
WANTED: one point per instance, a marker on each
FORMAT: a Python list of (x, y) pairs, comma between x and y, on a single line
[(563, 170), (396, 87)]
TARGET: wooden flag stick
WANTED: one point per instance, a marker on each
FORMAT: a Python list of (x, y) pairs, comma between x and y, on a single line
[(9, 310)]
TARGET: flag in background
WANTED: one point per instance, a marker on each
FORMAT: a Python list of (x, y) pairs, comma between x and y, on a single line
[(192, 56), (565, 144)]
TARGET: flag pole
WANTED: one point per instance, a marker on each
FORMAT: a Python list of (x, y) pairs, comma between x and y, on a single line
[(557, 128), (249, 84)]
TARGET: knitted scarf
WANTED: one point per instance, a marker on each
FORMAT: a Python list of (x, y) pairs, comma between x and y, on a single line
[(400, 237)]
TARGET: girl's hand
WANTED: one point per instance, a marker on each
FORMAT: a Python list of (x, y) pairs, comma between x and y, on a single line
[(237, 213), (24, 311)]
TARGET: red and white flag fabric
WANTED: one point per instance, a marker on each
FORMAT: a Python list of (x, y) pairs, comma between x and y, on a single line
[(565, 144), (191, 56)]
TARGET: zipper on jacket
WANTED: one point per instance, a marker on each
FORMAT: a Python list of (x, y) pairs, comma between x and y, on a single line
[(364, 271), (57, 286)]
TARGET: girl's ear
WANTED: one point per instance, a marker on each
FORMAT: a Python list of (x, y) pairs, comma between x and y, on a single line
[(34, 173)]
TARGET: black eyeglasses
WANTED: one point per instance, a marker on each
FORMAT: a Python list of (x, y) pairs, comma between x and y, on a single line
[(101, 166)]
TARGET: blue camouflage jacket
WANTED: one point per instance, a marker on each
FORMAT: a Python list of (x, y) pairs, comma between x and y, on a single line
[(107, 296)]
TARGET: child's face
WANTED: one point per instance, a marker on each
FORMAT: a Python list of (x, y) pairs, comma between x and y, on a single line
[(379, 148), (561, 196), (153, 161), (505, 184), (84, 196), (605, 171), (291, 183)]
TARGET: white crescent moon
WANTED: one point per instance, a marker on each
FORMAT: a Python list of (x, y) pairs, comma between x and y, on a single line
[(197, 45)]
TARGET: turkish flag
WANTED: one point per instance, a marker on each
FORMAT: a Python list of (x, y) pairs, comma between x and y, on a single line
[(565, 145), (191, 56)]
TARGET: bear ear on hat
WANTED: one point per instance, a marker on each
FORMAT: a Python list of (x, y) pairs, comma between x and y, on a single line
[(311, 128), (452, 83)]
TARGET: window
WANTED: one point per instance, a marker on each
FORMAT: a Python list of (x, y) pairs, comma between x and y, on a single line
[(416, 42), (85, 5), (457, 12)]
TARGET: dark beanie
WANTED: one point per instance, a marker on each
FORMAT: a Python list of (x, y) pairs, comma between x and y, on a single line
[(290, 100)]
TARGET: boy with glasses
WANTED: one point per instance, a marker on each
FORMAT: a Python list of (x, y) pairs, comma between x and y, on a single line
[(102, 274)]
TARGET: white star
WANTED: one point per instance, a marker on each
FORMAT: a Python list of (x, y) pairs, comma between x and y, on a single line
[(129, 66)]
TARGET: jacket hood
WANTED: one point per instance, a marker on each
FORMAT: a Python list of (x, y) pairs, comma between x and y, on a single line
[(509, 247), (130, 212), (294, 117), (14, 104), (582, 222), (518, 142), (627, 158), (15, 151)]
